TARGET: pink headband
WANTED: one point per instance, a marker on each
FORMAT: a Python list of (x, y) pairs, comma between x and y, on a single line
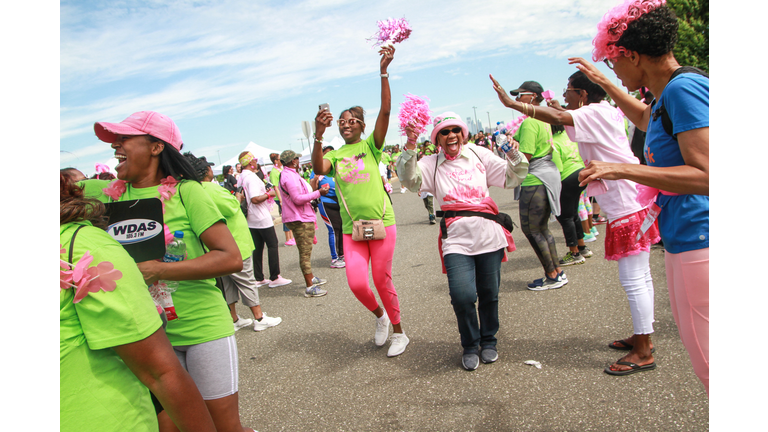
[(615, 22)]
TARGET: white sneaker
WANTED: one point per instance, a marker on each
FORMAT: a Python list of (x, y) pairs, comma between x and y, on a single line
[(262, 283), (402, 190), (382, 330), (280, 281), (242, 323), (317, 281), (399, 342), (266, 322)]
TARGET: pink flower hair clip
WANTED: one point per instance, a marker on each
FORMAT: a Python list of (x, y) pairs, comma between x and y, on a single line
[(391, 31)]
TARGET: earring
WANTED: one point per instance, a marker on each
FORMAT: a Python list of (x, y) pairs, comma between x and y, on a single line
[(581, 103)]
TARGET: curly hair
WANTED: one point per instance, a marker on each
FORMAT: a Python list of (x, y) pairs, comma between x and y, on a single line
[(74, 207), (595, 93), (646, 26)]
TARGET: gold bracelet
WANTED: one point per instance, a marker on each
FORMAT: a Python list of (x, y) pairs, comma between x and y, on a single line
[(534, 111), (524, 109)]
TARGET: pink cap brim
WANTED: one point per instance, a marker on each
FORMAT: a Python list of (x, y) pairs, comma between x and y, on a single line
[(107, 131)]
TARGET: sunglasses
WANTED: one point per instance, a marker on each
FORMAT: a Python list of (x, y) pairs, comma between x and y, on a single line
[(351, 122), (445, 132), (525, 93), (571, 89), (610, 63)]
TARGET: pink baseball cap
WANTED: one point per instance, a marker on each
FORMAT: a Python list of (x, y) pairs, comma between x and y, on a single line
[(141, 123), (445, 120)]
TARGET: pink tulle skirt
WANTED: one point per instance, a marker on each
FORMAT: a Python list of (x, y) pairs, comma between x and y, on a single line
[(620, 236)]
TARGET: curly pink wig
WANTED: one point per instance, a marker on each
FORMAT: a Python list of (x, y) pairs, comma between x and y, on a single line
[(612, 27)]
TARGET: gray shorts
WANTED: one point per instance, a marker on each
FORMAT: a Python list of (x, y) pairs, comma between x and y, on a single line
[(212, 365), (241, 284)]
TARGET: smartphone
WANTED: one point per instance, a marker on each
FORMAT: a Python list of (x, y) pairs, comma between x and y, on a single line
[(325, 106)]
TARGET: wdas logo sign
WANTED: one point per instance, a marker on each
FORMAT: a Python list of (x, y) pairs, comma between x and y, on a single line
[(134, 230)]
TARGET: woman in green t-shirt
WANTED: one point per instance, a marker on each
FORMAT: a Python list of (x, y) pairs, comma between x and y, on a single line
[(147, 146), (355, 168), (540, 191), (111, 341)]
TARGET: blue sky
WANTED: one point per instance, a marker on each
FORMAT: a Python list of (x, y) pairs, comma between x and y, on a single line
[(230, 72)]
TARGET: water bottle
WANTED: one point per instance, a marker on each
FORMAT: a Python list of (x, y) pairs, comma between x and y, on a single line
[(174, 252)]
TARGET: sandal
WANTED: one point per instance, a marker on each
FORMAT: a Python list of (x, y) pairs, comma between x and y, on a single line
[(623, 346), (635, 368)]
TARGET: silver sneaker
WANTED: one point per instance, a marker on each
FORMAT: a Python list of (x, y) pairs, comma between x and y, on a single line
[(315, 291)]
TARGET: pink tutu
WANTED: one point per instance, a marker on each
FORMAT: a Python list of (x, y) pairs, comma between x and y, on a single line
[(620, 236)]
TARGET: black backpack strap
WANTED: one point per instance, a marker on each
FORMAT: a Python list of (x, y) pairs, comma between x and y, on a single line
[(72, 243), (666, 122)]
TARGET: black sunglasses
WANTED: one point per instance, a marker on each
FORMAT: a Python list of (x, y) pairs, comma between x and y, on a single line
[(445, 132)]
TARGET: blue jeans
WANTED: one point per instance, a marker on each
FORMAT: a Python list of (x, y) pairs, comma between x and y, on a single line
[(475, 278)]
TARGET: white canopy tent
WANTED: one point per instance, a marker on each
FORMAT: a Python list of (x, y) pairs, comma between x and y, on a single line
[(261, 154)]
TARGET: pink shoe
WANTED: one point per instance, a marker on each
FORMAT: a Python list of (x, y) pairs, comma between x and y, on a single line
[(291, 242), (280, 281), (314, 241)]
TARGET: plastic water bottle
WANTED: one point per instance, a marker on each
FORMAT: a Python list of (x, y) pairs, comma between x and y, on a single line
[(174, 252)]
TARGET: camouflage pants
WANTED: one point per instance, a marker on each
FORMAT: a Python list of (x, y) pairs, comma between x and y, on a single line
[(304, 233)]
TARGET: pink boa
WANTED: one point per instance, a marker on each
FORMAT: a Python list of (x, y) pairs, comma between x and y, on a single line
[(615, 22)]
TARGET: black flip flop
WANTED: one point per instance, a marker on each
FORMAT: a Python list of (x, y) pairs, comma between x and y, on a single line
[(625, 346), (635, 368)]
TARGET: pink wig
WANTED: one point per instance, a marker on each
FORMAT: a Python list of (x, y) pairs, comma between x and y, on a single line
[(615, 22)]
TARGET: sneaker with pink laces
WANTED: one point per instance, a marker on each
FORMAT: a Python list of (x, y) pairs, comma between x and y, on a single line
[(280, 281)]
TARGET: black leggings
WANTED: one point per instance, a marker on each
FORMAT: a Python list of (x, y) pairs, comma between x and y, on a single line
[(262, 236), (334, 214), (569, 210), (534, 219)]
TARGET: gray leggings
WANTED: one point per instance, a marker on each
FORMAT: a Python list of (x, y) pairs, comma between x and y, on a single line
[(212, 366), (534, 222)]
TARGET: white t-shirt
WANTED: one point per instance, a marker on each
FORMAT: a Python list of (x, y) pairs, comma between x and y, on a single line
[(259, 215), (466, 180), (598, 128)]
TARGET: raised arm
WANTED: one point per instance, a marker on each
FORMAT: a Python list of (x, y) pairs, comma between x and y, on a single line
[(545, 114), (382, 121), (408, 170), (637, 112), (321, 166)]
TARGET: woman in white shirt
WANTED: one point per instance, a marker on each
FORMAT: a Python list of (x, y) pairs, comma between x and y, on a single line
[(472, 238)]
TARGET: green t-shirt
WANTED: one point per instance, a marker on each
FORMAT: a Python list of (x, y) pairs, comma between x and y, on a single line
[(97, 390), (359, 179), (274, 178), (202, 312), (566, 155), (429, 149), (396, 155), (386, 158), (229, 207), (535, 139)]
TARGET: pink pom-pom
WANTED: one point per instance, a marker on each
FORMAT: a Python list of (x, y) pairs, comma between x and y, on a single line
[(102, 168), (514, 125), (414, 113), (391, 31), (548, 95)]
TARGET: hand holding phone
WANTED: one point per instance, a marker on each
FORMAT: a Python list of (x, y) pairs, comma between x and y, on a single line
[(326, 107)]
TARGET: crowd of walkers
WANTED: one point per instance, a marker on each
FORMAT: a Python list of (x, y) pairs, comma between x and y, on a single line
[(168, 353)]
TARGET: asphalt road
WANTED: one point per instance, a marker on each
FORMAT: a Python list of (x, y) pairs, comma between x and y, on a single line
[(319, 370)]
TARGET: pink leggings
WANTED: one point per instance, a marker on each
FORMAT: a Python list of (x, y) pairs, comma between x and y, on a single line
[(688, 282), (357, 255)]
